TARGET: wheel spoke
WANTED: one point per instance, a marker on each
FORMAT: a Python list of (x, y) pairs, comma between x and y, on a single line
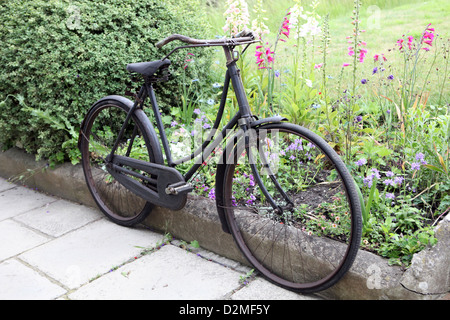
[(99, 135), (310, 243)]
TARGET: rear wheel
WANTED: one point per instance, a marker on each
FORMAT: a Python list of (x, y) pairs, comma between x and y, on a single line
[(101, 128), (310, 240)]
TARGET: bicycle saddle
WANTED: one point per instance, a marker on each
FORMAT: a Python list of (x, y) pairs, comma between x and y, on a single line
[(147, 68)]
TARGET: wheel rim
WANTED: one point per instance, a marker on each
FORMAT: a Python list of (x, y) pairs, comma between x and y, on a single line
[(310, 246)]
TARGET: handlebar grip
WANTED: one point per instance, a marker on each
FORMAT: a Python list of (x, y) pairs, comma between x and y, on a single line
[(165, 41), (180, 37), (245, 33), (160, 44)]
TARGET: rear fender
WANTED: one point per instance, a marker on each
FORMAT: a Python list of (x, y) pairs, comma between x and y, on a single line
[(140, 115)]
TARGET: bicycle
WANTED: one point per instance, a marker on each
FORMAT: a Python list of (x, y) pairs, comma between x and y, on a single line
[(280, 190)]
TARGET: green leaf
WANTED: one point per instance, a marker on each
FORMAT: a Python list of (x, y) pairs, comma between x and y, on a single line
[(195, 244)]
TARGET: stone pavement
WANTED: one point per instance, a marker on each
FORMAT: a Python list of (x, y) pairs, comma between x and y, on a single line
[(55, 249)]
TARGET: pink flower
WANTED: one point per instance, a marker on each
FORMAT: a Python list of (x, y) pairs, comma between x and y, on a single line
[(362, 54), (346, 64), (285, 29), (400, 43), (428, 36), (410, 40), (318, 66), (263, 56), (376, 57)]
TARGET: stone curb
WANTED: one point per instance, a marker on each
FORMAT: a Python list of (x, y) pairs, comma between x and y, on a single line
[(371, 277)]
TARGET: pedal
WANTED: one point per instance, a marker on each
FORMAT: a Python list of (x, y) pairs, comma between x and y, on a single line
[(179, 188)]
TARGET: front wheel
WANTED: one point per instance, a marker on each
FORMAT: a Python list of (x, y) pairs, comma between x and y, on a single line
[(302, 230)]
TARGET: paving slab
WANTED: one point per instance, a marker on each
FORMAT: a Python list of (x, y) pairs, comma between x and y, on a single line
[(261, 289), (19, 200), (19, 282), (88, 252), (5, 185), (168, 273), (59, 217), (16, 239)]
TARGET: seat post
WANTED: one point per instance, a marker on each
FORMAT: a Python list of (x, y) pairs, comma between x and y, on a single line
[(159, 123)]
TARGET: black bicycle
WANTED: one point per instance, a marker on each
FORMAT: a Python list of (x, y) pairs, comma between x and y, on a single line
[(280, 190)]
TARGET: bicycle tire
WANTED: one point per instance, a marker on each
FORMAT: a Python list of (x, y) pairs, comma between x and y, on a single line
[(100, 129), (300, 249)]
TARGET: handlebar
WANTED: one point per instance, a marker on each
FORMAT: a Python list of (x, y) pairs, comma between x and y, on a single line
[(243, 37)]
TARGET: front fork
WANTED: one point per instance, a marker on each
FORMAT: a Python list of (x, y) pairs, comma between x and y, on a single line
[(267, 170)]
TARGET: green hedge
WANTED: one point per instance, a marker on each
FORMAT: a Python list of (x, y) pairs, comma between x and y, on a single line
[(58, 57)]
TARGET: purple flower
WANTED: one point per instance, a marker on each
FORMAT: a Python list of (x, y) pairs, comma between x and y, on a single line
[(364, 81), (415, 166), (297, 145), (212, 194), (390, 196), (358, 118), (252, 198), (197, 111), (206, 126), (375, 70), (375, 173), (389, 174), (368, 181), (421, 158), (398, 180), (361, 162), (391, 77), (174, 123), (388, 182), (252, 182)]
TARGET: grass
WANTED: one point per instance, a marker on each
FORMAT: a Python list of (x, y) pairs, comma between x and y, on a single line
[(384, 21)]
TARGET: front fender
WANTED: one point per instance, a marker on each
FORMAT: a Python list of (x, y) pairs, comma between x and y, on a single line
[(275, 119)]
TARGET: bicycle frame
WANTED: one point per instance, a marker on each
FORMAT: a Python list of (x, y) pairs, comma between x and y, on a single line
[(243, 118)]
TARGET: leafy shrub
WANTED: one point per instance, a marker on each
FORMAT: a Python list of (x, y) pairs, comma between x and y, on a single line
[(58, 57)]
